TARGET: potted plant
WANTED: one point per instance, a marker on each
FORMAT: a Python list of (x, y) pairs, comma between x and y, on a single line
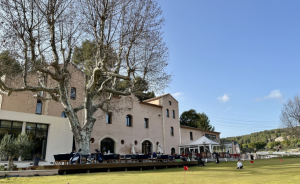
[(36, 159)]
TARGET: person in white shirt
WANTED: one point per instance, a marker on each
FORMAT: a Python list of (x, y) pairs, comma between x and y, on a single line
[(239, 164)]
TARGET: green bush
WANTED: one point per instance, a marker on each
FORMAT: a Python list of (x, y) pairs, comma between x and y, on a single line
[(40, 168), (2, 167)]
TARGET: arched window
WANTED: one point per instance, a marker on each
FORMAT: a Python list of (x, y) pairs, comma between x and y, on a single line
[(39, 105), (107, 146), (63, 114), (172, 151), (167, 112), (170, 103), (172, 131), (73, 93), (129, 120), (146, 147)]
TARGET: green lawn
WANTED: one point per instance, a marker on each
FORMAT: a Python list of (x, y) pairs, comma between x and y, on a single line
[(263, 171)]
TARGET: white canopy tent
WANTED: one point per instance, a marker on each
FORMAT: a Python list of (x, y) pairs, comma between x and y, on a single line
[(203, 141)]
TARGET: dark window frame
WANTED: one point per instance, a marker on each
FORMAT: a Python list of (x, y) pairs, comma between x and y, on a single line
[(172, 131), (146, 122), (108, 118), (36, 109), (173, 113), (128, 120), (43, 157), (63, 114), (191, 136), (167, 112), (211, 136), (107, 144), (170, 103), (73, 93), (146, 147)]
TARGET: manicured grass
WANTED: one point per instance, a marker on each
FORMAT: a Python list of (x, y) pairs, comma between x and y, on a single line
[(263, 171)]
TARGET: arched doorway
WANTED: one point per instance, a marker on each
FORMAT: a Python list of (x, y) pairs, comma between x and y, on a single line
[(172, 151), (107, 146), (146, 147)]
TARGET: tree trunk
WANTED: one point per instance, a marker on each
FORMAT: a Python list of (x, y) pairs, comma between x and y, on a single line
[(10, 163), (83, 142)]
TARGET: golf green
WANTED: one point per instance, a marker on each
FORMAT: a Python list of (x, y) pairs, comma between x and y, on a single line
[(262, 171)]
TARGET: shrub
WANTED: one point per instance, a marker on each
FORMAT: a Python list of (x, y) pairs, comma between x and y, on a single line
[(2, 167), (40, 168)]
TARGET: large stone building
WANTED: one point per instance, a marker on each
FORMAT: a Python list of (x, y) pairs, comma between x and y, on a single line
[(144, 124)]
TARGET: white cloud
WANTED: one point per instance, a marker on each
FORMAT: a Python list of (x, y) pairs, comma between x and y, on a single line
[(224, 98), (178, 95), (275, 94)]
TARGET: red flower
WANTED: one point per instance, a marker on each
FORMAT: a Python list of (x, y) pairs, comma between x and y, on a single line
[(251, 161), (186, 168)]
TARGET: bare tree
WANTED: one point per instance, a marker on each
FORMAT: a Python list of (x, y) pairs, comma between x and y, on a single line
[(42, 34), (290, 115)]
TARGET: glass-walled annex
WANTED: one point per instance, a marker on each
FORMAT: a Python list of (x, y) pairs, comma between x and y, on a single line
[(38, 134)]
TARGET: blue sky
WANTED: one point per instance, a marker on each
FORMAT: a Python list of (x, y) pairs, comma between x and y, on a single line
[(237, 61)]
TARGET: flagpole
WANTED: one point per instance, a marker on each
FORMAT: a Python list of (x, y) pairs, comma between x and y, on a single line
[(184, 176)]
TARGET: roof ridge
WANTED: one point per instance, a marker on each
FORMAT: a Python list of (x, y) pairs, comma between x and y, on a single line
[(155, 98)]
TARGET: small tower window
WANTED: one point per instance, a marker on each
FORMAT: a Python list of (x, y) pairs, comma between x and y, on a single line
[(73, 93), (63, 114), (191, 136), (167, 112), (172, 131), (170, 103), (108, 118), (146, 122), (173, 113), (129, 120), (39, 105)]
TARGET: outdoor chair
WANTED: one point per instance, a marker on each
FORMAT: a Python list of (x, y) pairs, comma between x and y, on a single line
[(65, 158), (127, 158), (142, 158), (134, 158), (108, 158), (57, 160), (165, 158), (122, 158), (83, 159), (116, 158), (153, 158)]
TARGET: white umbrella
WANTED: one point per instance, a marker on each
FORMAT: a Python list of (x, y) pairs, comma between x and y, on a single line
[(132, 148)]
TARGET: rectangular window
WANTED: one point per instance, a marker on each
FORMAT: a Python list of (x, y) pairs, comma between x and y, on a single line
[(167, 112), (210, 136), (73, 93), (39, 106), (191, 136), (108, 118), (146, 123), (172, 131), (38, 134), (173, 113), (11, 128)]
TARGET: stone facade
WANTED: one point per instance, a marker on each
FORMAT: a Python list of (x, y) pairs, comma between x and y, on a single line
[(161, 113)]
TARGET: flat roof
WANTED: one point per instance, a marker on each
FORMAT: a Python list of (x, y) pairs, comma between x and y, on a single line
[(188, 127)]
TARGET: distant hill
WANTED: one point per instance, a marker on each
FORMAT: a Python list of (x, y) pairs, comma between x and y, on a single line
[(263, 136)]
